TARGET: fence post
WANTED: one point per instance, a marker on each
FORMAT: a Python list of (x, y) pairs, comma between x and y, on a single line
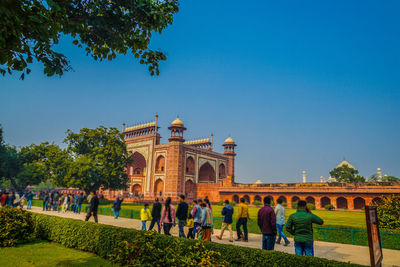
[(326, 234), (352, 236)]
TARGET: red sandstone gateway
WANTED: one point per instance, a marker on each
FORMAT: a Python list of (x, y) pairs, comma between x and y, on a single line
[(192, 168)]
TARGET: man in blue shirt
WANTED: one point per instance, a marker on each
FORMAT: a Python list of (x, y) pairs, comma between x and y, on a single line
[(227, 212)]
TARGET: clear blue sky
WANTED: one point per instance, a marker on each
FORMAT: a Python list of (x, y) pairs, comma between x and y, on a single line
[(298, 84)]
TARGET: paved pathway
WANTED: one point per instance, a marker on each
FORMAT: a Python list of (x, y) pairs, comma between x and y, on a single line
[(333, 251)]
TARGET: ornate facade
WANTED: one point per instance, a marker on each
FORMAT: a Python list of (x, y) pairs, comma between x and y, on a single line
[(192, 168)]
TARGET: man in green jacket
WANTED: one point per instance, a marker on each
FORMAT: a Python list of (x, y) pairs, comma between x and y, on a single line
[(300, 226)]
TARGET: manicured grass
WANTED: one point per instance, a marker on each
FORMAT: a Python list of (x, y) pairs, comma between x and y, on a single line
[(44, 253)]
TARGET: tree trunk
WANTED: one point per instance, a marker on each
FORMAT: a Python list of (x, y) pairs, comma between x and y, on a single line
[(14, 184)]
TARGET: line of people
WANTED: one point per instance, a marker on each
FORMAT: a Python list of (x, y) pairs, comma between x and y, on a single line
[(199, 221), (15, 199), (57, 201)]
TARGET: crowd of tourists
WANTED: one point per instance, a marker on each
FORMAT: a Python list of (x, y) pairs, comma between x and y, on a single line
[(199, 222), (198, 219), (16, 199)]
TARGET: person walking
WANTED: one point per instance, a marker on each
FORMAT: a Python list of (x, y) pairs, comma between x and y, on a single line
[(181, 214), (206, 223), (242, 219), (227, 212), (65, 203), (190, 226), (280, 222), (266, 220), (168, 216), (79, 203), (117, 206), (156, 215), (45, 200), (4, 199), (93, 206), (145, 216), (29, 197), (299, 225), (196, 213), (16, 200)]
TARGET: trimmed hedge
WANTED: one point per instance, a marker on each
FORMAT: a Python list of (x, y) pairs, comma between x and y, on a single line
[(16, 227), (114, 242)]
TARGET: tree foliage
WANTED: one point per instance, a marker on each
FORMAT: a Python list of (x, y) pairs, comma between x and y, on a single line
[(389, 212), (385, 178), (99, 159), (345, 174), (104, 28)]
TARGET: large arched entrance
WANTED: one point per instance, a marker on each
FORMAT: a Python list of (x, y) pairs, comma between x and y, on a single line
[(190, 166), (136, 190), (206, 173), (325, 201), (160, 164), (158, 188), (377, 201), (246, 198), (359, 203), (257, 198), (341, 203), (189, 190), (138, 164), (235, 198)]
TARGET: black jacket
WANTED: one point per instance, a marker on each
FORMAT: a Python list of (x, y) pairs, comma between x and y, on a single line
[(156, 211), (182, 211), (94, 204)]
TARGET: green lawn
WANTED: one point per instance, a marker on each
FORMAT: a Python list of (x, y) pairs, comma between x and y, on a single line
[(43, 253)]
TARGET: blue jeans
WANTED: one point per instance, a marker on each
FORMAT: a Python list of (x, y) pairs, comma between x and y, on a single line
[(240, 222), (78, 208), (44, 205), (153, 221), (143, 225), (116, 214), (29, 206), (195, 229), (281, 234), (181, 225), (302, 248), (268, 242)]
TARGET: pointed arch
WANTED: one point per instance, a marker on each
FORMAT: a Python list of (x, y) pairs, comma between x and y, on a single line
[(207, 173), (190, 190), (138, 164), (190, 165), (341, 203), (325, 201), (159, 187), (221, 171), (359, 203), (160, 164)]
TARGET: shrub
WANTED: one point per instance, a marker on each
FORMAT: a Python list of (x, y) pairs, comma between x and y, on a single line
[(16, 226), (294, 205), (329, 207), (233, 203), (220, 203), (164, 250), (256, 203), (175, 253), (310, 206), (284, 204), (389, 212)]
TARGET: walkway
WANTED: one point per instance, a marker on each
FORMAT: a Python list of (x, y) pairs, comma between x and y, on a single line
[(332, 251)]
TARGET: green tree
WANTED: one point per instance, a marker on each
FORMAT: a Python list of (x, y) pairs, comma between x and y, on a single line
[(385, 178), (104, 28), (345, 174), (389, 212), (99, 159)]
